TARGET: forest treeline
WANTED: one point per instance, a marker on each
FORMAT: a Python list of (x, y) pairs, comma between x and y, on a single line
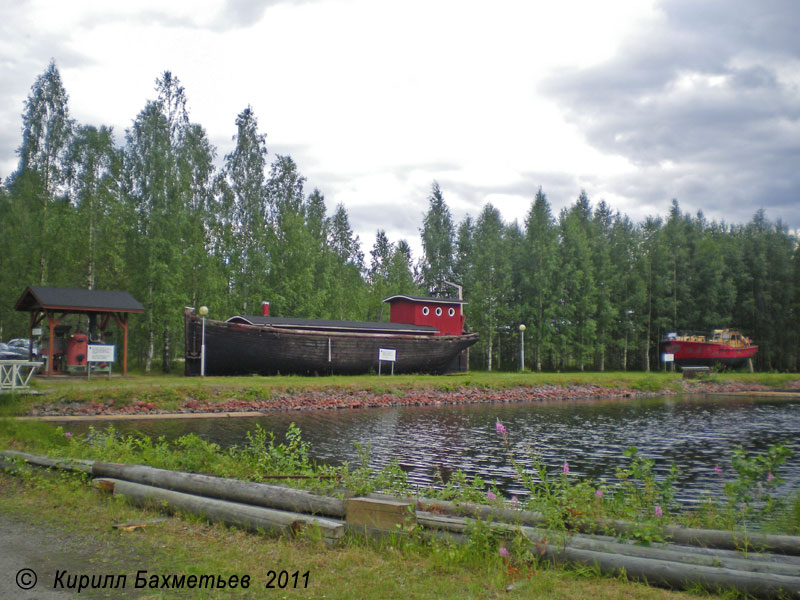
[(157, 217)]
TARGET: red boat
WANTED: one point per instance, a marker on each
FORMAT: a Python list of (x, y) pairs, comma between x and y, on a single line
[(724, 346)]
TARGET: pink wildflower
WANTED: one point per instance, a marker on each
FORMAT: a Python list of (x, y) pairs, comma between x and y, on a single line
[(717, 469), (514, 501), (659, 512), (566, 468), (500, 428), (67, 434), (599, 493), (770, 476), (490, 495), (503, 552)]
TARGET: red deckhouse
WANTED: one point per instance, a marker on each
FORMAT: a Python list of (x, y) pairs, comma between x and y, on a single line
[(444, 314)]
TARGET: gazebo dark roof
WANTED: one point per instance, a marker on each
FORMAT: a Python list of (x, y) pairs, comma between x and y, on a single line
[(38, 298)]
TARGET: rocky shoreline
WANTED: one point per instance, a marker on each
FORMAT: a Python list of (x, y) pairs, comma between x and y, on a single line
[(346, 399)]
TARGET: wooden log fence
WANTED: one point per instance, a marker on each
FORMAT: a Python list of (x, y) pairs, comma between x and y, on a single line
[(263, 507)]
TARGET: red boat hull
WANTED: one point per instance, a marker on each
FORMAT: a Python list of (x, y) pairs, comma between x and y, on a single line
[(707, 354)]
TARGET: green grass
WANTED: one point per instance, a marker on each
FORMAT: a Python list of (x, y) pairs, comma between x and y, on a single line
[(168, 392), (358, 569)]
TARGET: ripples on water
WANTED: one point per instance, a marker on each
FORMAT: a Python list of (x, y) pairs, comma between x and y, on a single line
[(696, 434)]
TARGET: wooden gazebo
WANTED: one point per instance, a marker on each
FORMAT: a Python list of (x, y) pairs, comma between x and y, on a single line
[(55, 303)]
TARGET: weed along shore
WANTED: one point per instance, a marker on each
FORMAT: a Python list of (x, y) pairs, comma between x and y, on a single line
[(142, 396), (770, 569), (262, 516)]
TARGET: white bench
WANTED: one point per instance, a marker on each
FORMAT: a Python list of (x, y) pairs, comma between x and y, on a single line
[(16, 374)]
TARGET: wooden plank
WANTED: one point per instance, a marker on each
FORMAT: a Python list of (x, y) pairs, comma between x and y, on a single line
[(385, 515), (134, 525)]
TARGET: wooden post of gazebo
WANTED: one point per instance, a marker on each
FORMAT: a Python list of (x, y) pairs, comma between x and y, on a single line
[(43, 302)]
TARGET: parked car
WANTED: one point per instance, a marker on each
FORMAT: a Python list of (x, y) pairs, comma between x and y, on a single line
[(23, 344), (8, 352)]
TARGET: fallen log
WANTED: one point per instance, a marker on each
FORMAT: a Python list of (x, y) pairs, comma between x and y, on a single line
[(717, 538), (670, 565), (65, 464), (244, 516), (234, 490), (710, 538), (754, 562), (681, 575)]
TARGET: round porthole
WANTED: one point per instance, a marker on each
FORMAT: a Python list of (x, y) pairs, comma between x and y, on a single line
[(438, 311), (425, 311), (451, 311)]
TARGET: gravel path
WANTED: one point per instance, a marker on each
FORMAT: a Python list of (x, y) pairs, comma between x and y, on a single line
[(45, 549)]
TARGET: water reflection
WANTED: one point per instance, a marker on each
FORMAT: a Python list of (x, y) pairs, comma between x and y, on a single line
[(695, 433)]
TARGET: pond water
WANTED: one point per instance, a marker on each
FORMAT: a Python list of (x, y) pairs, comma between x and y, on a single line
[(696, 433)]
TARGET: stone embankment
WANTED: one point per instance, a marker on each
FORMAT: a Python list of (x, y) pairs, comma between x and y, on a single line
[(225, 401)]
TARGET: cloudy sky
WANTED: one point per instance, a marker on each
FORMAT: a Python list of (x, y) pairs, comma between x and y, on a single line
[(637, 102)]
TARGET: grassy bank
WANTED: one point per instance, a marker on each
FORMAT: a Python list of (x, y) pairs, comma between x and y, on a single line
[(168, 392), (357, 570)]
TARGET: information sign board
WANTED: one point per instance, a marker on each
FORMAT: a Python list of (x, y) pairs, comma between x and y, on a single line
[(387, 354), (101, 353)]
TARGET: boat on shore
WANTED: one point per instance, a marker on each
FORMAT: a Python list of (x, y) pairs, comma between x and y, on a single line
[(724, 346), (425, 335)]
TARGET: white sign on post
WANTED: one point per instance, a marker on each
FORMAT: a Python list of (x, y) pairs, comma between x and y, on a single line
[(387, 354), (101, 353), (667, 358)]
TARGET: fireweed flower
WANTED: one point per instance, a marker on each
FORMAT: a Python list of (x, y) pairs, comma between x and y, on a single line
[(514, 501), (500, 428), (503, 552), (659, 512), (717, 469), (770, 476), (67, 434), (490, 495), (599, 493), (566, 468)]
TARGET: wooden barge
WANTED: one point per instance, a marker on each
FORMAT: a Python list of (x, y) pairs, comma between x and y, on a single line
[(425, 335)]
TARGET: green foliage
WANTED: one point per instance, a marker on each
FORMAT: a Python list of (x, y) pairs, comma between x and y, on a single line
[(757, 477), (362, 479), (157, 218), (437, 242)]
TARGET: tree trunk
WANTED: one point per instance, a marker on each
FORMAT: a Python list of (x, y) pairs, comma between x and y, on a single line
[(91, 235), (165, 356)]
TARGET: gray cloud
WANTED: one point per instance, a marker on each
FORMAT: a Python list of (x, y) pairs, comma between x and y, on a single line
[(706, 104), (240, 14), (32, 54)]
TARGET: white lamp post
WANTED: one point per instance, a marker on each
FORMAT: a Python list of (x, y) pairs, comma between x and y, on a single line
[(203, 312), (521, 346)]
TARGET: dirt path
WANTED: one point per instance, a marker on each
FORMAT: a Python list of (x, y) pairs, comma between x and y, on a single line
[(44, 549)]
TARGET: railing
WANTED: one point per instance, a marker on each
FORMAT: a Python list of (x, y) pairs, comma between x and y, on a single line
[(16, 374)]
